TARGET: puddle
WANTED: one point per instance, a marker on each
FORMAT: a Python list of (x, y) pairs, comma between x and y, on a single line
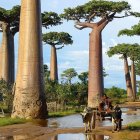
[(77, 136)]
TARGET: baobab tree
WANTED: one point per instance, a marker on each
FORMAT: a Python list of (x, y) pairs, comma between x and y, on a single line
[(9, 24), (68, 74), (135, 30), (85, 15), (125, 51), (29, 98), (133, 54), (55, 39)]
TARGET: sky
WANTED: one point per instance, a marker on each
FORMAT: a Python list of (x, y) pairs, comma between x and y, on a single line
[(76, 55)]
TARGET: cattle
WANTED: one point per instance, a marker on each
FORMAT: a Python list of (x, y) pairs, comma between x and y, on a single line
[(87, 116), (116, 119)]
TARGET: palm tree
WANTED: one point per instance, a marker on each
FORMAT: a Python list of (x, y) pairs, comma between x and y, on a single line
[(29, 98)]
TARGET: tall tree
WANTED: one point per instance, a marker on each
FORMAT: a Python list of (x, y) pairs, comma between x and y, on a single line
[(9, 23), (56, 39), (135, 58), (135, 30), (85, 15), (29, 98), (68, 74), (124, 50)]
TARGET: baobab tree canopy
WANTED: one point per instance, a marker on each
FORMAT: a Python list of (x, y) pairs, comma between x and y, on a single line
[(11, 17), (50, 19), (95, 8), (130, 50), (135, 30), (119, 49), (55, 38)]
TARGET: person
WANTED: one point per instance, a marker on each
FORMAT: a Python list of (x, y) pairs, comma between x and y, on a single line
[(107, 103), (116, 118)]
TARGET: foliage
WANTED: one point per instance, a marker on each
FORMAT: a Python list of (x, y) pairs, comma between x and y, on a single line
[(118, 49), (116, 94), (69, 74), (95, 8), (135, 30), (83, 77), (46, 72), (11, 17), (50, 19), (137, 68), (6, 94), (64, 113), (55, 38)]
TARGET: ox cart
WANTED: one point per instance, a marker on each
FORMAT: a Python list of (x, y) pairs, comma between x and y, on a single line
[(91, 116)]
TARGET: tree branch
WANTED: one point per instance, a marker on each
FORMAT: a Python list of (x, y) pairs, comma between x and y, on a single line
[(126, 15), (102, 26), (79, 28), (60, 47), (101, 21), (85, 24), (91, 16)]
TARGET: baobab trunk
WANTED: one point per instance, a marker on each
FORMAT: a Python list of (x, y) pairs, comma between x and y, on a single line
[(53, 64), (5, 73), (128, 80), (29, 98), (11, 59), (133, 78), (95, 84)]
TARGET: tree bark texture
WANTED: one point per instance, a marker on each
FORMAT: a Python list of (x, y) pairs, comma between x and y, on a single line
[(53, 64), (128, 80), (11, 58), (29, 98), (133, 79), (4, 72), (95, 84)]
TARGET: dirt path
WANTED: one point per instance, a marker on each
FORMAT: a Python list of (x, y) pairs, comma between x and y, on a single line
[(34, 132)]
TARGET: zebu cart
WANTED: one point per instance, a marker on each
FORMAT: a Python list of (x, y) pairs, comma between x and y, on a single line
[(100, 113)]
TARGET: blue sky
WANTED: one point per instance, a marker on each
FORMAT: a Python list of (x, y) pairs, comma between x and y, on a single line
[(76, 55)]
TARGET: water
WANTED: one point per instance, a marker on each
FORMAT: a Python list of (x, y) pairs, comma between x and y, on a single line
[(78, 136), (74, 121)]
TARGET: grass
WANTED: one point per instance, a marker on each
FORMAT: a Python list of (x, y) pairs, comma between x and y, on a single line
[(10, 121), (64, 113), (134, 126)]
